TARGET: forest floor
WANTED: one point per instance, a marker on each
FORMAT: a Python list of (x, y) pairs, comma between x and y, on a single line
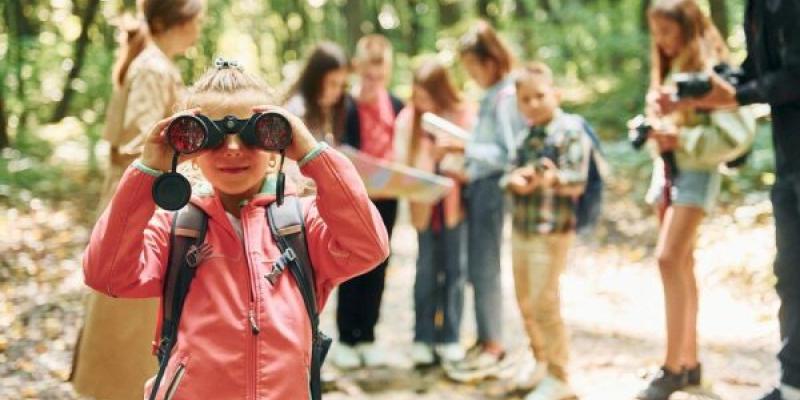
[(612, 302)]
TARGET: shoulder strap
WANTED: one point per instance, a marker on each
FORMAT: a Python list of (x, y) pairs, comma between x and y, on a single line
[(186, 250), (288, 229)]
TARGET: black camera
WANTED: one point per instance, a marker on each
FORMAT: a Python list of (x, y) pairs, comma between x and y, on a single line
[(698, 84), (639, 131)]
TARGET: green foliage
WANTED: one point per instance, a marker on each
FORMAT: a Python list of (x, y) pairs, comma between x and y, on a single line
[(598, 49)]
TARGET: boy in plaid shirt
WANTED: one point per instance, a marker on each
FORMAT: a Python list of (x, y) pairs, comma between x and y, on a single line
[(551, 173)]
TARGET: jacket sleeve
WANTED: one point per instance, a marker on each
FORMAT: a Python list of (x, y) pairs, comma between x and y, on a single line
[(780, 86), (127, 252), (148, 102), (497, 155), (345, 234)]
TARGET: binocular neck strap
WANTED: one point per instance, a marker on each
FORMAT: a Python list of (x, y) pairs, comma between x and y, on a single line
[(281, 183), (175, 157)]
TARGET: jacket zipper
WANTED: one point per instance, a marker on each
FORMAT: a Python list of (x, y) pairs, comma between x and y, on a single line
[(176, 380), (252, 312)]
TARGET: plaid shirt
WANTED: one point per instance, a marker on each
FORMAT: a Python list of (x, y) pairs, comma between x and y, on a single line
[(565, 142)]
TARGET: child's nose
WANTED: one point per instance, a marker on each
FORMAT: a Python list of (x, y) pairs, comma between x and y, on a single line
[(233, 146)]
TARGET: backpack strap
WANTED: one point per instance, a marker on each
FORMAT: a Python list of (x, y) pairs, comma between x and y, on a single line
[(288, 229), (186, 251)]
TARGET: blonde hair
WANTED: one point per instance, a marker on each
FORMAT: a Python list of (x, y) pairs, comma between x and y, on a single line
[(226, 89), (534, 70), (373, 48)]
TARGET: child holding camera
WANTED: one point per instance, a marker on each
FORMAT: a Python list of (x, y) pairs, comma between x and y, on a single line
[(684, 41), (551, 174), (240, 336), (439, 227)]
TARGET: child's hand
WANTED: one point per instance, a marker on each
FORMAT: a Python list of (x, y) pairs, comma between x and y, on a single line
[(157, 153), (523, 181), (549, 177), (667, 139), (302, 139)]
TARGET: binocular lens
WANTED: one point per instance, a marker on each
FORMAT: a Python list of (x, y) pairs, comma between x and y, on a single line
[(273, 132), (186, 134)]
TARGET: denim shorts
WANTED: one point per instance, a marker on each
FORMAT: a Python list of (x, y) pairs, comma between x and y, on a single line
[(691, 188)]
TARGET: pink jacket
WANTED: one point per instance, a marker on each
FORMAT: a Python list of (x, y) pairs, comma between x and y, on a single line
[(239, 337)]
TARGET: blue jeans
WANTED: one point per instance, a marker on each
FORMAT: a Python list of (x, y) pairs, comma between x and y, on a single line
[(485, 203), (786, 207), (439, 285)]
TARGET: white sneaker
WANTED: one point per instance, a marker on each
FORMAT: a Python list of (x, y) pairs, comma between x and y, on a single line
[(421, 354), (484, 366), (372, 355), (450, 352), (552, 388), (346, 357), (529, 374)]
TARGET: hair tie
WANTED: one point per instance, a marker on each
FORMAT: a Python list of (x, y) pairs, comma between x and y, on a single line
[(222, 63)]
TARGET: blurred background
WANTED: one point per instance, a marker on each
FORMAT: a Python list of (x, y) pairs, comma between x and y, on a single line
[(56, 58)]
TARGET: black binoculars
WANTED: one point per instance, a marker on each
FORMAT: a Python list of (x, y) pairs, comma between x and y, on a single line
[(189, 134), (698, 84)]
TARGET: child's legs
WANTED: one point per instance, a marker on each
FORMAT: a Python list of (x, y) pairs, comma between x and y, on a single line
[(360, 298), (538, 264), (454, 283), (425, 288), (485, 230), (675, 245), (690, 351)]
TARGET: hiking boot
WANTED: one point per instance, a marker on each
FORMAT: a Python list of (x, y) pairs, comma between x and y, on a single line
[(421, 354), (346, 357), (694, 376), (663, 385), (552, 388)]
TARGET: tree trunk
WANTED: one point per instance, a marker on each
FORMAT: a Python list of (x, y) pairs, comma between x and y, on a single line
[(449, 12), (643, 15), (483, 11), (87, 17), (719, 14), (354, 13), (4, 140)]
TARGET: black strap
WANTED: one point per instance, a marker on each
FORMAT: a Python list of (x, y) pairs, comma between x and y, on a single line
[(288, 229), (185, 252)]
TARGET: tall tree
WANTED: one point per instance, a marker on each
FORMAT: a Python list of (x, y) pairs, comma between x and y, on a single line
[(87, 18), (719, 14), (449, 12)]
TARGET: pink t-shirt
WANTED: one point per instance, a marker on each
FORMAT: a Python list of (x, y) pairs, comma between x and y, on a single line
[(377, 127)]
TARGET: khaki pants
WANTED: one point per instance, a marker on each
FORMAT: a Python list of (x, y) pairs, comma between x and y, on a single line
[(538, 262)]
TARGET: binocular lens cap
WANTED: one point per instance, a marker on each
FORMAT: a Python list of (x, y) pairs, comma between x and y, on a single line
[(171, 191)]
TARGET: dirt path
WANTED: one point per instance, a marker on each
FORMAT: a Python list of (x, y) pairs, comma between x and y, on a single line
[(612, 303)]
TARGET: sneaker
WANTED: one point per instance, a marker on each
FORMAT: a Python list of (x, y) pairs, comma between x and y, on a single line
[(775, 394), (450, 352), (373, 356), (346, 357), (694, 376), (529, 374), (485, 365), (422, 354), (552, 388), (663, 385)]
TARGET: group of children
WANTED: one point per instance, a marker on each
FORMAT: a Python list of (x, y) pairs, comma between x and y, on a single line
[(522, 145)]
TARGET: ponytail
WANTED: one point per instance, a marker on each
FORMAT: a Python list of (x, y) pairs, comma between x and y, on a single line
[(133, 42)]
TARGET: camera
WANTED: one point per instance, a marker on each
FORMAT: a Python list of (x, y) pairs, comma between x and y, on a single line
[(698, 84), (639, 131)]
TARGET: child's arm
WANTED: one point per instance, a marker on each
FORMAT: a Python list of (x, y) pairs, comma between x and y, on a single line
[(346, 236), (128, 247)]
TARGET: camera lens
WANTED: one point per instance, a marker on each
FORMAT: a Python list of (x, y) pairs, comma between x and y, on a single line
[(273, 132), (186, 134)]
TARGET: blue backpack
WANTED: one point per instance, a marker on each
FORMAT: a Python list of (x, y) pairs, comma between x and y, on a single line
[(590, 203)]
